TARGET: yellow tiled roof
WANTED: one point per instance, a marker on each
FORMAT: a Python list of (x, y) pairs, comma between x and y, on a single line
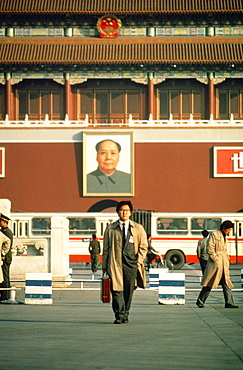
[(119, 6), (122, 50)]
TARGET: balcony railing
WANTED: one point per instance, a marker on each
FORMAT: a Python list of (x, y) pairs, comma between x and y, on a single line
[(27, 122), (191, 122), (171, 122)]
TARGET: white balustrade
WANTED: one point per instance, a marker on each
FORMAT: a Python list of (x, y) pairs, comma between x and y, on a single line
[(171, 122)]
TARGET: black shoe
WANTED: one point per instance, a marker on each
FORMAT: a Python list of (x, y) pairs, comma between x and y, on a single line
[(125, 320), (228, 305), (118, 321), (199, 303)]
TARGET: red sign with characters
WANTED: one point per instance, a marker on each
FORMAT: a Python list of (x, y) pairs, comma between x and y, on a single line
[(228, 161), (109, 26)]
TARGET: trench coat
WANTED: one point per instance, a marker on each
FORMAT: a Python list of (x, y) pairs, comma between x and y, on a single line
[(218, 262), (4, 248), (112, 253)]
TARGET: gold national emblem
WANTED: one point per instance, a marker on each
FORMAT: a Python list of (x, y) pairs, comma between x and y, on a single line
[(109, 26)]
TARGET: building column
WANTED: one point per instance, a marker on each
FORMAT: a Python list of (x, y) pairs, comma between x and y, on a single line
[(211, 96), (151, 95), (8, 95), (67, 94)]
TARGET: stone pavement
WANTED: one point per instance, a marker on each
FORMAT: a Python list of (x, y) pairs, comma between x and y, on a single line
[(77, 332)]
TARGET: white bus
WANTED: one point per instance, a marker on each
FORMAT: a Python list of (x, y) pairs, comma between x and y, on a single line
[(174, 235)]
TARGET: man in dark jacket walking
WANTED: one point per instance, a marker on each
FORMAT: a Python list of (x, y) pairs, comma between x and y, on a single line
[(7, 258), (94, 250), (202, 253)]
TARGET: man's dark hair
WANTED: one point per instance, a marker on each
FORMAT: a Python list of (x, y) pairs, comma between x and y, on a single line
[(205, 233), (97, 146), (94, 236), (124, 203), (226, 225)]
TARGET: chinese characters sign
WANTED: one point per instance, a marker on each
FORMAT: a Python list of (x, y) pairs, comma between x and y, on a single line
[(2, 162), (228, 161)]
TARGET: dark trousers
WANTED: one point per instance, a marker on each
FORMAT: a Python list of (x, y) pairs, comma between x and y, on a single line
[(203, 264), (94, 262), (5, 284), (121, 300), (228, 296)]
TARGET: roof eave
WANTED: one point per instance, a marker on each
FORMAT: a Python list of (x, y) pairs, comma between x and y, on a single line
[(122, 62), (125, 12)]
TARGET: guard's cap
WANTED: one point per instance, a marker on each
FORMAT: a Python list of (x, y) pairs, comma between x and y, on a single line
[(4, 218)]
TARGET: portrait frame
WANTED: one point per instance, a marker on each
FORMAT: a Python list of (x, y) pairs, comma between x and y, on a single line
[(2, 162), (125, 166)]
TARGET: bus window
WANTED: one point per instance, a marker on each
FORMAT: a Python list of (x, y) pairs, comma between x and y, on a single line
[(237, 229), (41, 226), (160, 226), (209, 224), (196, 225), (82, 226), (172, 225), (240, 229)]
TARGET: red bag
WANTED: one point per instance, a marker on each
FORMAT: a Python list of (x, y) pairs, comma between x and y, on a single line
[(105, 289)]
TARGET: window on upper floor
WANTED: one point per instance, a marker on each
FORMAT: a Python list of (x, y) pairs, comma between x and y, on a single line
[(229, 101), (180, 103), (38, 99), (38, 103), (2, 103), (110, 105)]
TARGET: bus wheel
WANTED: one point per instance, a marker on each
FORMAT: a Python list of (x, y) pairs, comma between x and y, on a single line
[(175, 257)]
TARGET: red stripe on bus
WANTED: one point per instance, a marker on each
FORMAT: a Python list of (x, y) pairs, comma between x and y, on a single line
[(159, 238), (189, 258), (81, 258)]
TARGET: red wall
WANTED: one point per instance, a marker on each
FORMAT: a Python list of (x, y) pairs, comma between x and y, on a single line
[(168, 177)]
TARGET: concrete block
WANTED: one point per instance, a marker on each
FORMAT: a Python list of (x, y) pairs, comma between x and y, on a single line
[(172, 288), (154, 277), (38, 289)]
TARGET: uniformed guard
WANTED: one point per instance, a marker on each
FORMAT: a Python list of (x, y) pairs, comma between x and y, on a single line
[(7, 259)]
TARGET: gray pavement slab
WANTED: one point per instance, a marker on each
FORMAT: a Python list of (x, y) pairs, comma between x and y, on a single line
[(77, 332)]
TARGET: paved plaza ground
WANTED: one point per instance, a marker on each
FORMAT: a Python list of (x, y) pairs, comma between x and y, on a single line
[(77, 332)]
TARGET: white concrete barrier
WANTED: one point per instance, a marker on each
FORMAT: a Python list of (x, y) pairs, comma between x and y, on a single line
[(172, 289), (38, 288), (154, 277)]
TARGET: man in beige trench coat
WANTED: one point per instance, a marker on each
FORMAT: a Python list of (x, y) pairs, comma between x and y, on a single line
[(217, 270), (124, 250)]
